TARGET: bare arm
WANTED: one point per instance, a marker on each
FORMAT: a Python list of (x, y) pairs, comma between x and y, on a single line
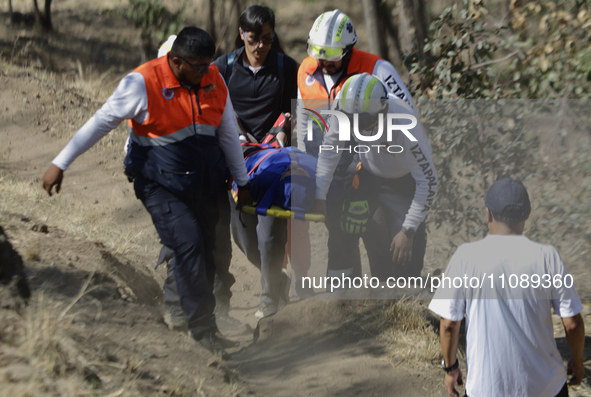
[(574, 328), (449, 334)]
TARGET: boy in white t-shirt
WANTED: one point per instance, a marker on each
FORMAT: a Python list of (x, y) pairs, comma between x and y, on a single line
[(510, 346)]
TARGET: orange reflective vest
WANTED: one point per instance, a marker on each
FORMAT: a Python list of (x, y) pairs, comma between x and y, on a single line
[(311, 79), (177, 144), (315, 96), (176, 112)]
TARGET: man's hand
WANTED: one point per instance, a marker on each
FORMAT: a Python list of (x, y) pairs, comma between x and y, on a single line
[(577, 370), (451, 378), (281, 138), (53, 177), (288, 120), (244, 198), (319, 208), (402, 248)]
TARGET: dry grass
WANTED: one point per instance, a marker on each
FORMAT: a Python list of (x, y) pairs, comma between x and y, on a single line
[(32, 254), (404, 325), (409, 333), (93, 84), (39, 354), (25, 197)]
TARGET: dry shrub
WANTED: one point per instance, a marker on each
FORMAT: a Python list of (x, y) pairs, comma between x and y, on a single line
[(26, 197), (38, 353), (39, 356), (409, 332), (405, 325), (45, 343), (32, 254)]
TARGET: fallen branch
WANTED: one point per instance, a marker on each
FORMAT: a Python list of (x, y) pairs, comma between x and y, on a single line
[(483, 64)]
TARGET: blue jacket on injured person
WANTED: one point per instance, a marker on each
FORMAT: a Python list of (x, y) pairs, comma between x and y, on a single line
[(285, 177)]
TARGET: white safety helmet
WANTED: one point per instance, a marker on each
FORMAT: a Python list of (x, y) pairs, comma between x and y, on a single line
[(363, 94), (331, 36), (166, 46)]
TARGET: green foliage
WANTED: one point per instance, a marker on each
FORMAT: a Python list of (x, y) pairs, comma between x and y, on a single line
[(460, 42), (542, 51), (155, 21), (474, 92)]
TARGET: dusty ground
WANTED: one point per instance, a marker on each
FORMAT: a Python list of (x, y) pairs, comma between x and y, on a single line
[(94, 325), (97, 230)]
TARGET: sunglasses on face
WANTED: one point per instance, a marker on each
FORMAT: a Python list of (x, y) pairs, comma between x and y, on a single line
[(326, 53), (199, 69), (264, 40)]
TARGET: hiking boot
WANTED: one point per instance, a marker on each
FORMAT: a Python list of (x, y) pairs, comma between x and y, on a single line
[(284, 287), (222, 306), (266, 310), (304, 292), (226, 321), (222, 316), (176, 323), (216, 344)]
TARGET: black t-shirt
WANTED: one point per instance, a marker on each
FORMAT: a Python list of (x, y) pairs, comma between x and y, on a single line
[(257, 98)]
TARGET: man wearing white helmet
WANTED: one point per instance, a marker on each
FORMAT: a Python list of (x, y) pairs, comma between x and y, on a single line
[(332, 59), (396, 174)]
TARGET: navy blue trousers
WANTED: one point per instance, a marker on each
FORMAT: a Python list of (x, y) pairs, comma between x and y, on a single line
[(389, 201), (188, 228)]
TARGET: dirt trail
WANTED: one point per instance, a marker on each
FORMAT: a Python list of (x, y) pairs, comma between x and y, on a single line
[(317, 348), (117, 341), (304, 350)]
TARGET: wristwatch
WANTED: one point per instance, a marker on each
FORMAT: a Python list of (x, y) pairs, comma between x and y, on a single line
[(409, 232), (453, 367)]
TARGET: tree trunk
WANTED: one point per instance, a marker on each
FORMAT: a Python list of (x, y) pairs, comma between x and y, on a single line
[(10, 7), (412, 31), (47, 11), (385, 15), (44, 18), (210, 27), (412, 26), (377, 40)]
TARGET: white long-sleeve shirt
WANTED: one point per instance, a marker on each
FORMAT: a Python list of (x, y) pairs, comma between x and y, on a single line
[(414, 158), (130, 101)]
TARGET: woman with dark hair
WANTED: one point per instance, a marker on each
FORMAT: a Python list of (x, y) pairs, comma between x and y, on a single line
[(262, 81)]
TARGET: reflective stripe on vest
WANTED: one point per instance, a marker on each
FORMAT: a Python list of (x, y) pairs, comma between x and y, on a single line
[(194, 129)]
